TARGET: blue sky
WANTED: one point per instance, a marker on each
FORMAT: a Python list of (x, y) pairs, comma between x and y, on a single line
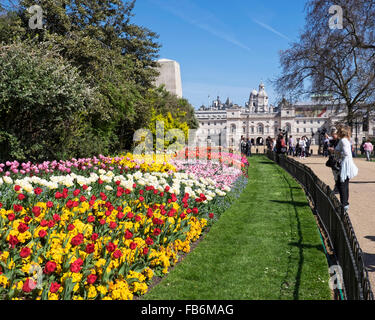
[(224, 48)]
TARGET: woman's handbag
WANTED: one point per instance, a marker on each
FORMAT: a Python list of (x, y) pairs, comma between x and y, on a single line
[(333, 163)]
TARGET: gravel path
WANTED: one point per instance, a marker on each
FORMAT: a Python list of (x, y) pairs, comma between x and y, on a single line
[(362, 205)]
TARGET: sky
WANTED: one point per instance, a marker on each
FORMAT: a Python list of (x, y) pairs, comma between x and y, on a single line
[(224, 48)]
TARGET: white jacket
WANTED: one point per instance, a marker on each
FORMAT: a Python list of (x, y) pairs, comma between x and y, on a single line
[(348, 167)]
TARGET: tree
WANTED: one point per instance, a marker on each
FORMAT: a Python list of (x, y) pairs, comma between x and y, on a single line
[(111, 54), (11, 27), (358, 20), (324, 61), (168, 124), (44, 106), (106, 22), (157, 102), (180, 108)]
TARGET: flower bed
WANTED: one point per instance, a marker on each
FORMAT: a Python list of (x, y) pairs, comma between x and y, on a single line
[(126, 163), (101, 228)]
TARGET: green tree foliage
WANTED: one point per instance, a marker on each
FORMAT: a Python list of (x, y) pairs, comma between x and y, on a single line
[(111, 54), (161, 126), (44, 106), (164, 102), (92, 31)]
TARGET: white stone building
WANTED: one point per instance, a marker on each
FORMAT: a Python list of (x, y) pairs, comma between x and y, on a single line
[(170, 76), (225, 123)]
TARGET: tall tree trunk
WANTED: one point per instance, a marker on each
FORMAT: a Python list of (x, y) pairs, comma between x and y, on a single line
[(350, 116)]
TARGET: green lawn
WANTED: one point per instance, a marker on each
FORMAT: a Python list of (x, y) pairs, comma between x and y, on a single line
[(265, 247)]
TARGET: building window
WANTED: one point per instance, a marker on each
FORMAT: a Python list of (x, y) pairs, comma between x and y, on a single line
[(297, 130), (297, 122), (304, 130), (260, 129)]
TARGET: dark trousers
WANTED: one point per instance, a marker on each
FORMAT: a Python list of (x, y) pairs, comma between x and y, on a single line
[(248, 151), (343, 188)]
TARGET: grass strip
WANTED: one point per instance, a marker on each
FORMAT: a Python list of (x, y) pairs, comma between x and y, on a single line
[(265, 247)]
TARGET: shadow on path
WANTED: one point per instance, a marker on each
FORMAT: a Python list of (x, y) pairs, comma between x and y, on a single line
[(362, 182), (372, 238), (369, 260)]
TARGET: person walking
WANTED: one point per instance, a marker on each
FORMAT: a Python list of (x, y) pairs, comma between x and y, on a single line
[(348, 169), (273, 141), (298, 148), (326, 145), (362, 148), (269, 143), (368, 147), (302, 145), (292, 149), (248, 148), (243, 146), (353, 146), (308, 145), (281, 147)]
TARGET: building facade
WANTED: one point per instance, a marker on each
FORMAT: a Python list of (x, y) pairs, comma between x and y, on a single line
[(170, 76), (225, 123)]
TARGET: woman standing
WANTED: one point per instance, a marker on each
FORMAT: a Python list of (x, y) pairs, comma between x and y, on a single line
[(348, 168)]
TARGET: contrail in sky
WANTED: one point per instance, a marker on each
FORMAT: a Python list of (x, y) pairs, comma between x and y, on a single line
[(269, 28), (178, 10)]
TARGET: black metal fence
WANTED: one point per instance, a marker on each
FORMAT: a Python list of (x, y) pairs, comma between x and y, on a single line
[(337, 228)]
